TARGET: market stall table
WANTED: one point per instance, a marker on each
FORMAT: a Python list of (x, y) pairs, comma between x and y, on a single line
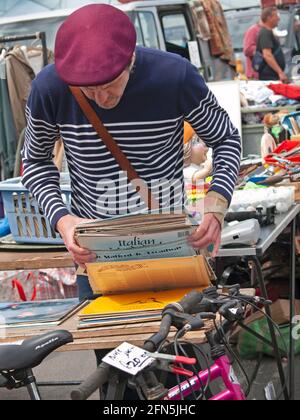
[(15, 256), (34, 261), (269, 235), (102, 338)]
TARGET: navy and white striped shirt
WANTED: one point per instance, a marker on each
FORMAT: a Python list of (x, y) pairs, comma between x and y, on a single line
[(163, 91)]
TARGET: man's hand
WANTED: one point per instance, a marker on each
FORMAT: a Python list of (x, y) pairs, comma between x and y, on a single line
[(283, 77), (208, 233), (66, 227)]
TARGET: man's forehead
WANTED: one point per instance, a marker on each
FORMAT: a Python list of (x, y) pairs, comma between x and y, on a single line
[(98, 86), (106, 84), (92, 87)]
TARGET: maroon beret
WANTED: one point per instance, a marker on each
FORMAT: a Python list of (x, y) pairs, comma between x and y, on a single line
[(94, 45)]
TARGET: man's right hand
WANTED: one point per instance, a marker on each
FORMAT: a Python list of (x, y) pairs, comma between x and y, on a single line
[(283, 77), (66, 227)]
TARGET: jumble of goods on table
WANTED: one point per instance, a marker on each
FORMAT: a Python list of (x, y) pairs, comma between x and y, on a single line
[(269, 181)]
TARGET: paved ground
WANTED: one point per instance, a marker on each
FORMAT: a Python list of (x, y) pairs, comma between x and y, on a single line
[(77, 366), (59, 367)]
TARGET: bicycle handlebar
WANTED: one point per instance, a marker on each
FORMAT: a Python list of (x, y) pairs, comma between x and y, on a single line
[(154, 342), (93, 382), (188, 303), (101, 376), (195, 302)]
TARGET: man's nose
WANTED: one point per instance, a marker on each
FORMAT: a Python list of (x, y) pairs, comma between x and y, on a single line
[(101, 96)]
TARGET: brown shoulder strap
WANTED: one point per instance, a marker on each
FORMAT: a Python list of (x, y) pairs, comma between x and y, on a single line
[(140, 185)]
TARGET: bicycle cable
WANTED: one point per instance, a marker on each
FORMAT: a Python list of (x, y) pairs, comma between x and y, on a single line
[(176, 346), (244, 300), (235, 357), (196, 349), (284, 386), (140, 394), (256, 370), (265, 315), (196, 373), (177, 376), (164, 343)]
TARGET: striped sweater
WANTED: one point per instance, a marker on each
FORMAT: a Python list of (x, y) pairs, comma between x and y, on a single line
[(163, 91)]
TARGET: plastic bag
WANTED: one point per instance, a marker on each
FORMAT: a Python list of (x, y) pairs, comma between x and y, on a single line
[(38, 285)]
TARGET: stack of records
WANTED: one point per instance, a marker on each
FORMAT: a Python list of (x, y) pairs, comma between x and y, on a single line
[(144, 263), (43, 314), (141, 237), (132, 308)]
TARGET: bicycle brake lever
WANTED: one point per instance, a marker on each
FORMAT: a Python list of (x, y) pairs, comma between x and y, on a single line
[(176, 370), (255, 300), (179, 371), (168, 363), (232, 311), (174, 359), (163, 363), (185, 321)]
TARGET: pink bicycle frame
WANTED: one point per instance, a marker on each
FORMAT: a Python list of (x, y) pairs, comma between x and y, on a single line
[(221, 369)]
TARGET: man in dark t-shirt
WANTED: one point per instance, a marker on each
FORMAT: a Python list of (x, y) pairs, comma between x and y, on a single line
[(268, 44)]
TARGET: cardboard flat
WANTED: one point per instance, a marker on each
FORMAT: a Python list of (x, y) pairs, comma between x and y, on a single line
[(132, 302)]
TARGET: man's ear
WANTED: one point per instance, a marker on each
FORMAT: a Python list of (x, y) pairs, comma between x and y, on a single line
[(133, 61)]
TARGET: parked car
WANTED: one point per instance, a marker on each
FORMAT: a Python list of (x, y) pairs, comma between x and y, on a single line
[(166, 25)]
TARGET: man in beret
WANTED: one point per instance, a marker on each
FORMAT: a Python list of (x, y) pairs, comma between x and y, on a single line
[(142, 97)]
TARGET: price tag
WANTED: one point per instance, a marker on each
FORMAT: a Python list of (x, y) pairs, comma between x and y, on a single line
[(129, 359)]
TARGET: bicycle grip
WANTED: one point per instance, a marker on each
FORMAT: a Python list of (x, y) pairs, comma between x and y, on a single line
[(205, 306), (187, 304), (92, 383)]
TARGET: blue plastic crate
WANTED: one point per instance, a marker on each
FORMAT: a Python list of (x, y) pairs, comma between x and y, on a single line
[(286, 121), (26, 220)]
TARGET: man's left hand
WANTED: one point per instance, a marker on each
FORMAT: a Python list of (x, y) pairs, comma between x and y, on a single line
[(208, 233)]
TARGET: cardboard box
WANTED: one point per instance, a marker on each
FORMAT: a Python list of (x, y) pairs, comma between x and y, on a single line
[(281, 311), (296, 185)]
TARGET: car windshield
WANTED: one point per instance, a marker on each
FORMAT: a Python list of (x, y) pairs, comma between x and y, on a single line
[(240, 21)]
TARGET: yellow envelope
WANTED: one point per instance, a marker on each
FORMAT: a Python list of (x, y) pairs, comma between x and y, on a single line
[(149, 275)]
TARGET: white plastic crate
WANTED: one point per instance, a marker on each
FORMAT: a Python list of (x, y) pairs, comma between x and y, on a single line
[(26, 220)]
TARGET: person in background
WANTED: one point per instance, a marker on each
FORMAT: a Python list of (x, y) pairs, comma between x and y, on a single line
[(250, 43), (269, 46)]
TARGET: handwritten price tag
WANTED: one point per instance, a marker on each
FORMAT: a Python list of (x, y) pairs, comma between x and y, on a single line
[(129, 359)]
